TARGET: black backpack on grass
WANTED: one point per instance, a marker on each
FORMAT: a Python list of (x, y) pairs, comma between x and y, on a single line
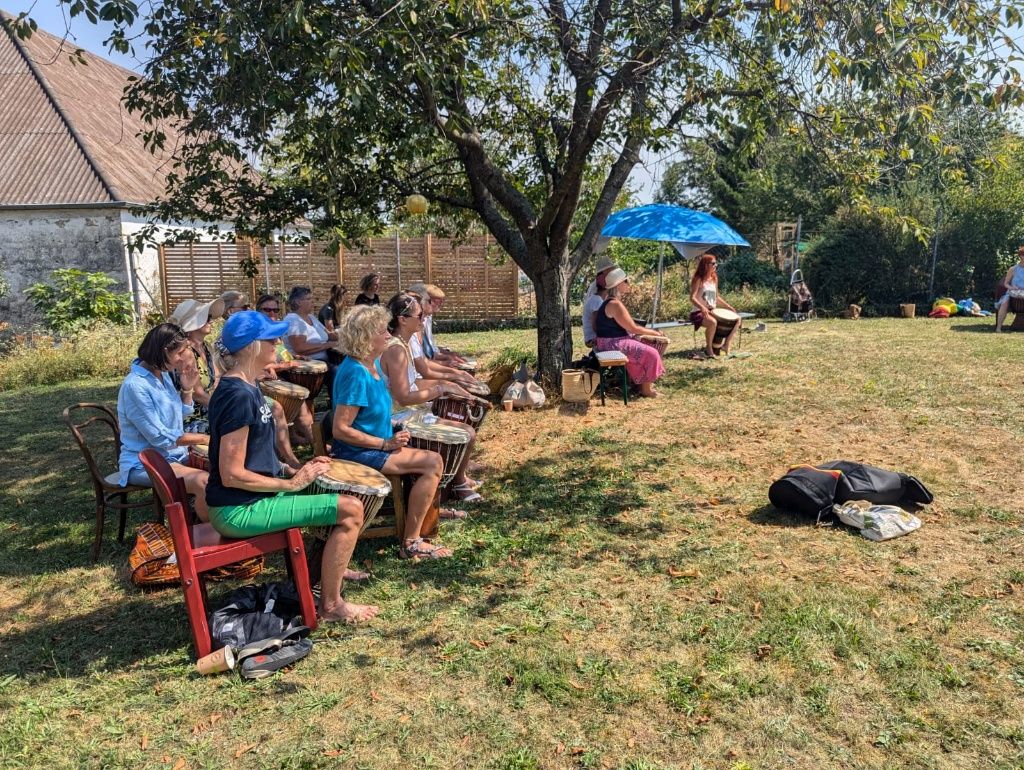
[(812, 490)]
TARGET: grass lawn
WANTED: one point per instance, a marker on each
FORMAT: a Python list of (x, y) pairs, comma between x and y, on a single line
[(626, 598)]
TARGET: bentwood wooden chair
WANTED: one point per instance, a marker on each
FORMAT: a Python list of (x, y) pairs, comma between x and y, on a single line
[(98, 435), (199, 549)]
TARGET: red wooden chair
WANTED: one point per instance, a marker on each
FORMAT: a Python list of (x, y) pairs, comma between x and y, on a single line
[(200, 548)]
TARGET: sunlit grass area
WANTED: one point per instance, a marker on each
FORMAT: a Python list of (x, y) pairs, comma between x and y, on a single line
[(626, 597)]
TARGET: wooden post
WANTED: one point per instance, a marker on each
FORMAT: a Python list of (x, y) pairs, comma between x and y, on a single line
[(428, 267), (192, 266), (163, 278), (341, 263)]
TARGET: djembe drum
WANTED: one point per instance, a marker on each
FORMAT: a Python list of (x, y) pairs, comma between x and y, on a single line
[(655, 341), (1016, 303), (345, 478), (478, 388), (308, 374), (199, 457), (461, 409), (727, 321), (447, 440), (289, 395)]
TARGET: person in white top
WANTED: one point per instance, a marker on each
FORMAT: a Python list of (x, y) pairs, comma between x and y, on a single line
[(307, 337), (595, 297), (400, 375), (705, 297)]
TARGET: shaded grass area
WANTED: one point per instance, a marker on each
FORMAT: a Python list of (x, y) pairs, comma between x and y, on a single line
[(625, 599)]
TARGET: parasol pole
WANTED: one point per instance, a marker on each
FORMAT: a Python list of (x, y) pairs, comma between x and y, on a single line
[(657, 288)]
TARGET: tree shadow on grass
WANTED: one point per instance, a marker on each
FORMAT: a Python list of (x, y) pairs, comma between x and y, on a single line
[(769, 515), (979, 328), (47, 510)]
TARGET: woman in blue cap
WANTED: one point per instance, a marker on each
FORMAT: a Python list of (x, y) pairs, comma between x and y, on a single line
[(245, 495)]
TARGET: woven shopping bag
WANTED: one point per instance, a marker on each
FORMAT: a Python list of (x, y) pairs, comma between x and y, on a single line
[(153, 563), (579, 384)]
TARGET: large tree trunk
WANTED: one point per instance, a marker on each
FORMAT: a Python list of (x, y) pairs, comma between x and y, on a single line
[(554, 326)]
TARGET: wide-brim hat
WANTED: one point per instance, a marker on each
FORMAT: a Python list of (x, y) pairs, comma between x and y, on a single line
[(605, 263), (247, 326), (614, 278), (192, 314)]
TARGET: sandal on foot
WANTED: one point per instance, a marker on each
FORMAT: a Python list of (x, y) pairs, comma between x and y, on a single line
[(452, 514), (466, 493), (700, 355), (422, 549)]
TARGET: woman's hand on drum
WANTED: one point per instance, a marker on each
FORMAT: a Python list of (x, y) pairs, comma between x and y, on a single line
[(305, 475), (454, 389), (397, 441)]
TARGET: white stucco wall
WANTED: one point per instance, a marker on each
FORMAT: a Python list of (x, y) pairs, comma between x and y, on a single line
[(33, 242)]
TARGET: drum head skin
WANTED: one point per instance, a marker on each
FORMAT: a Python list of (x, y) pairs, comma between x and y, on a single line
[(308, 367), (203, 450), (284, 388), (355, 477), (722, 314), (446, 434), (479, 389)]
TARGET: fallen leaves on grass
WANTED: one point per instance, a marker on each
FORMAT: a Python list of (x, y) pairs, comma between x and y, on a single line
[(245, 749), (479, 644), (691, 572), (144, 743), (763, 651), (757, 610)]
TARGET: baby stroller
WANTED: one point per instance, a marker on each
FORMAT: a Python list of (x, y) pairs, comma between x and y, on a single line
[(801, 301)]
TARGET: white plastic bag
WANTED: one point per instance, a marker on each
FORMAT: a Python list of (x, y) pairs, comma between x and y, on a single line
[(876, 522), (524, 395)]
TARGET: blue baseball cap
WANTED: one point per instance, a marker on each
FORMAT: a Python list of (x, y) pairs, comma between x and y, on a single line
[(248, 326)]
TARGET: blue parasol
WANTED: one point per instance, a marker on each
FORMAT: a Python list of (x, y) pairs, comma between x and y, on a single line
[(672, 224)]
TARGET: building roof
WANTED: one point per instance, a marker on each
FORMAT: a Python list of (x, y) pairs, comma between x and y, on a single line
[(65, 135)]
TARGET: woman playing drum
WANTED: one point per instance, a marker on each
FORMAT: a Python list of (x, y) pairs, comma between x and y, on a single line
[(1013, 282), (400, 375), (301, 430), (615, 328), (245, 495), (362, 424), (307, 337), (150, 410), (705, 298)]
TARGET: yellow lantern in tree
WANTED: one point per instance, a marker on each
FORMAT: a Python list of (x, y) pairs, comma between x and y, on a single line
[(416, 204)]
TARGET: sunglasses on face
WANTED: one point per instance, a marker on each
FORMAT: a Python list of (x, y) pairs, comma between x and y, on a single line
[(270, 310)]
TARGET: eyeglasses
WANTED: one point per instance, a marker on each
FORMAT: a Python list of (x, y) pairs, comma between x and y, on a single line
[(270, 310), (713, 264), (414, 317)]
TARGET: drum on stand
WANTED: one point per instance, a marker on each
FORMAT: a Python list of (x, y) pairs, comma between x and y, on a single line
[(289, 395), (199, 457), (365, 484), (655, 341), (308, 374), (727, 321)]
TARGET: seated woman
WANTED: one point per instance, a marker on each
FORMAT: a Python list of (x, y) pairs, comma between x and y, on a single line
[(431, 299), (705, 298), (330, 314), (245, 495), (362, 425), (150, 411), (307, 337), (301, 431), (368, 288), (234, 302), (406, 390), (1013, 282), (614, 326), (597, 293), (196, 320)]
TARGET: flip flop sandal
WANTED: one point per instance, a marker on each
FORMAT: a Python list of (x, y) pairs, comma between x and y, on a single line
[(466, 493), (416, 550), (452, 514), (264, 664)]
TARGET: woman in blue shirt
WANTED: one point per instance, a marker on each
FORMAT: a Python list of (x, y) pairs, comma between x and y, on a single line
[(245, 494), (150, 411), (362, 424)]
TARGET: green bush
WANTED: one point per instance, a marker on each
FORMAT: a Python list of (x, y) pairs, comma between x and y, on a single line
[(103, 350), (745, 269), (78, 298)]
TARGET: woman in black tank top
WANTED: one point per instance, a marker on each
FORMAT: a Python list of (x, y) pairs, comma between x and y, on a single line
[(616, 330)]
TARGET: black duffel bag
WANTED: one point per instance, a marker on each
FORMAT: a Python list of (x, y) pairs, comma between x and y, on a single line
[(877, 485)]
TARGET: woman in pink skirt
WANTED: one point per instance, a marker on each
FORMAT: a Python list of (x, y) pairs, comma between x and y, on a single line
[(616, 330)]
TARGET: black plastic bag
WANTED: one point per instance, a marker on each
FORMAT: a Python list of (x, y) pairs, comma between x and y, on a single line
[(256, 612)]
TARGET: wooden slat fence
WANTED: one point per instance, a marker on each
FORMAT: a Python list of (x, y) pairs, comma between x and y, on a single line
[(476, 285)]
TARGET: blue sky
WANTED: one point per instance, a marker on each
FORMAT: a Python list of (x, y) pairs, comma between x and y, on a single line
[(52, 17)]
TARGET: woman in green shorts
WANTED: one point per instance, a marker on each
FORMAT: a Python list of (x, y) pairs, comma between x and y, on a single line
[(245, 495)]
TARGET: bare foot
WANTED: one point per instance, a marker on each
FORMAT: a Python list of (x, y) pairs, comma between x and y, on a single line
[(652, 394), (356, 575), (346, 612)]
